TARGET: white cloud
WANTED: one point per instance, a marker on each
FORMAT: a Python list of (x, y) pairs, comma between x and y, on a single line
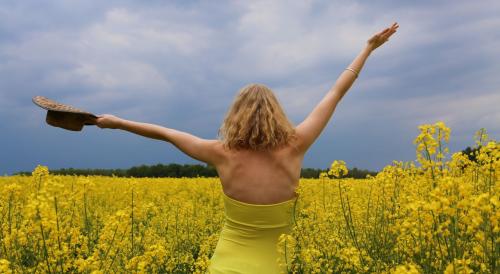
[(122, 53), (276, 38), (145, 32), (118, 77), (299, 100)]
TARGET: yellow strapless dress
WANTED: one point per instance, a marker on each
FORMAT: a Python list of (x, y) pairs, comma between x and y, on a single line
[(249, 237)]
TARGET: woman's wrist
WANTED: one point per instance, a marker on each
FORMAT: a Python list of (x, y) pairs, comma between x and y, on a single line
[(368, 48)]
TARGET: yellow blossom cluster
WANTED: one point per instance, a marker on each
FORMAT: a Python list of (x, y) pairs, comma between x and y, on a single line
[(338, 169), (95, 224), (439, 217)]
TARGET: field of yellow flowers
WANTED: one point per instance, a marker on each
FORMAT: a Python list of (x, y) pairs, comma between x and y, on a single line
[(436, 215)]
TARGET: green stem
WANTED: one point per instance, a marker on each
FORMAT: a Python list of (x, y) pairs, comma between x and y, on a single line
[(46, 255), (58, 234), (132, 226)]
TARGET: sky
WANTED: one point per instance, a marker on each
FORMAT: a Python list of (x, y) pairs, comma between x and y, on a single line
[(180, 64)]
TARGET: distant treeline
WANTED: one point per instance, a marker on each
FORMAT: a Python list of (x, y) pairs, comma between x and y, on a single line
[(187, 170), (177, 170)]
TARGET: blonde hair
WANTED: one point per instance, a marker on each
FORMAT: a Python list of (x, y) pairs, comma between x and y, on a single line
[(256, 121)]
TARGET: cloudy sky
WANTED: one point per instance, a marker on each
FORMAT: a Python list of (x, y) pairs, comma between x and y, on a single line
[(180, 64)]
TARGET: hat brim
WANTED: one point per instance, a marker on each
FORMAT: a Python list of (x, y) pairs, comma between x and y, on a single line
[(64, 116), (49, 104)]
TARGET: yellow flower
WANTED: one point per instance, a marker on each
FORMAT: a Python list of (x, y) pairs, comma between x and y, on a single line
[(338, 169), (5, 266)]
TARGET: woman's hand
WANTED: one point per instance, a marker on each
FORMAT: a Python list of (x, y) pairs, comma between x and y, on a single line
[(107, 121), (381, 37)]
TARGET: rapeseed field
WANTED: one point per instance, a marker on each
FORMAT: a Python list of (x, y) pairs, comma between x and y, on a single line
[(438, 214)]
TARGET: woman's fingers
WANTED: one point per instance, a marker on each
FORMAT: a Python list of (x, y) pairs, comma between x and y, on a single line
[(394, 27), (383, 36), (387, 30), (392, 30)]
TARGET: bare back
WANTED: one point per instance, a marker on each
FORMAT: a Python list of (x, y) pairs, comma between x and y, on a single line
[(260, 177)]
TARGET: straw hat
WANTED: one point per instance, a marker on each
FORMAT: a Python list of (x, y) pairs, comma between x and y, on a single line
[(64, 116)]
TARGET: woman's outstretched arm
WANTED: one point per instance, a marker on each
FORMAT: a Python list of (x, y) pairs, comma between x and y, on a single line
[(309, 130), (200, 149)]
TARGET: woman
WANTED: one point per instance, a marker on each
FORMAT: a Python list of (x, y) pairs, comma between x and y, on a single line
[(258, 160)]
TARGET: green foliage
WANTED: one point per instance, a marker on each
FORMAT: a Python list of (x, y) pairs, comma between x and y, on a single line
[(174, 170), (154, 171), (471, 153)]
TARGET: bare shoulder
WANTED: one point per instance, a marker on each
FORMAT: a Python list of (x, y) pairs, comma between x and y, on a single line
[(296, 145), (219, 153)]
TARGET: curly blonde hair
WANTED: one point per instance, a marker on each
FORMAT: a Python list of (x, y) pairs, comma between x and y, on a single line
[(256, 121)]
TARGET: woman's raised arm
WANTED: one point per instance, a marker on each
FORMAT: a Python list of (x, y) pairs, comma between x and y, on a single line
[(200, 149), (309, 130)]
